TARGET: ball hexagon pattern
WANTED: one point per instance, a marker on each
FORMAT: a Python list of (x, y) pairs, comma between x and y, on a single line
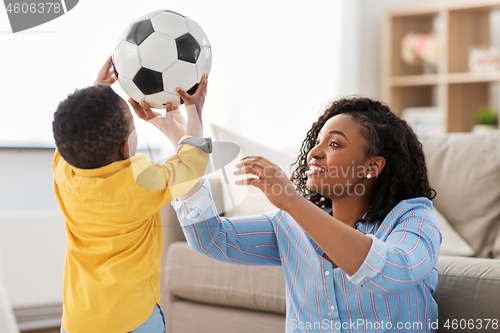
[(159, 52)]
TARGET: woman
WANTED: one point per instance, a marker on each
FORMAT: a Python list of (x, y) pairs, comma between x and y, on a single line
[(354, 233)]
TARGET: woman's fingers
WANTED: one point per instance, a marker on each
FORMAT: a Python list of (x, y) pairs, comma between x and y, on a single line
[(254, 161), (251, 181), (251, 169), (258, 166)]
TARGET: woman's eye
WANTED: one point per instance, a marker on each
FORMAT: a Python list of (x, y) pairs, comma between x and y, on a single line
[(333, 143)]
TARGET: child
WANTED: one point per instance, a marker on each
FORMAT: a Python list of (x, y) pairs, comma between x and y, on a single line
[(111, 201)]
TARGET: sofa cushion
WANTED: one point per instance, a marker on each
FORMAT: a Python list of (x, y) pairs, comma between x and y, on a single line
[(464, 169), (194, 277), (217, 319), (467, 289)]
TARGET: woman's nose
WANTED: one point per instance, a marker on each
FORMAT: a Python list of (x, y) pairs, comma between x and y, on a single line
[(317, 152)]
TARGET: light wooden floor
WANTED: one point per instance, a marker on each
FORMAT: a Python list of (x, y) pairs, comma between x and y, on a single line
[(46, 330)]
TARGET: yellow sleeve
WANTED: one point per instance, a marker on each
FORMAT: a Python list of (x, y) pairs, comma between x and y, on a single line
[(57, 157), (177, 175)]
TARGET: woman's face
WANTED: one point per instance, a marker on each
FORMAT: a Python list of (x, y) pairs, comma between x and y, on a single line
[(338, 164)]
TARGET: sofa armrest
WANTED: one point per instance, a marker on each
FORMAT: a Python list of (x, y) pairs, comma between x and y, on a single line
[(468, 288)]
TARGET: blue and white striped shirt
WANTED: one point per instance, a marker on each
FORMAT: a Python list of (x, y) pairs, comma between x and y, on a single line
[(391, 291)]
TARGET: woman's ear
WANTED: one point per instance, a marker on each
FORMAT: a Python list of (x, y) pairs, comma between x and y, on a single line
[(377, 165)]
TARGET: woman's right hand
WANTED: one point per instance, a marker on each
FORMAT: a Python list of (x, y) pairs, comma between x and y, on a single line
[(272, 181)]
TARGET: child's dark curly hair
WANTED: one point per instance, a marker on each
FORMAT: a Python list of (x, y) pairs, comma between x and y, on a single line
[(90, 126), (405, 173)]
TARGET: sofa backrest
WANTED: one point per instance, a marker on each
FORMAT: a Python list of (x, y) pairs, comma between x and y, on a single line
[(464, 169)]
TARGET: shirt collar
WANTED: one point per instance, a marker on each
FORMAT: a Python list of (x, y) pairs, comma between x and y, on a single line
[(109, 169)]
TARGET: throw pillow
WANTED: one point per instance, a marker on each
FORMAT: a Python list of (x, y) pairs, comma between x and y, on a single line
[(464, 168), (453, 244)]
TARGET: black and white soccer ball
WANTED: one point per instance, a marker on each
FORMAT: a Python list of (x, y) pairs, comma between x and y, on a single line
[(159, 52)]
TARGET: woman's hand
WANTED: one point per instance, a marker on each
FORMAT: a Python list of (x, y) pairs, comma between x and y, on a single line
[(172, 124), (271, 180), (107, 74)]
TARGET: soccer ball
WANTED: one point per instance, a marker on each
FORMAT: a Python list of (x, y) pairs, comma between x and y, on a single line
[(159, 52)]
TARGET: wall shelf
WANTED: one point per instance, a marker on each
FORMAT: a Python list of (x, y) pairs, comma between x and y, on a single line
[(459, 26)]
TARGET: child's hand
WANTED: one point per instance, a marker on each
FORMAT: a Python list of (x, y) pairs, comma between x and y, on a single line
[(107, 74), (198, 98), (171, 124), (194, 105)]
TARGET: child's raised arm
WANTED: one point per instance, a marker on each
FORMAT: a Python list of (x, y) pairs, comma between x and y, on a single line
[(194, 107)]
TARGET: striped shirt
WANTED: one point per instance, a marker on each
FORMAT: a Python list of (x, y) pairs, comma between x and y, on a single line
[(391, 291)]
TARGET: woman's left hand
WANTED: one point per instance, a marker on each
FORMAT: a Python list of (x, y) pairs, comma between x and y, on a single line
[(271, 180)]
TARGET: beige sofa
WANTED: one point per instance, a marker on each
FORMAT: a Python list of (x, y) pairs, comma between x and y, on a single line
[(203, 295)]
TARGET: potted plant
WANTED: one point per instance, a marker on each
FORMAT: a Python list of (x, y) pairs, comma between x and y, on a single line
[(486, 119)]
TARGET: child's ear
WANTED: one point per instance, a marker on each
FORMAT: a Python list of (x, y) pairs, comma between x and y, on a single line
[(124, 151)]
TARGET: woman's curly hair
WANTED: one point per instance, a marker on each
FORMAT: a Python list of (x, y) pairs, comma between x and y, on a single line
[(405, 173)]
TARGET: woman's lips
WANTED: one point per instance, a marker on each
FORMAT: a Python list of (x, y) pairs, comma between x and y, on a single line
[(315, 169)]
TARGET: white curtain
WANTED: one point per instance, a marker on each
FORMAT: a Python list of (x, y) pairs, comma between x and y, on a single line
[(8, 322)]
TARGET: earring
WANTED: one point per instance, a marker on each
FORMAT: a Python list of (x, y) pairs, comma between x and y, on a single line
[(369, 176)]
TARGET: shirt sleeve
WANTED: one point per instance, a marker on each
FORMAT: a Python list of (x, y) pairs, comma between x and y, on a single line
[(243, 240), (177, 175), (405, 258), (55, 162)]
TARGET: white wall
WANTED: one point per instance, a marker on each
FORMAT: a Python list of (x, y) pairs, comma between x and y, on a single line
[(274, 62)]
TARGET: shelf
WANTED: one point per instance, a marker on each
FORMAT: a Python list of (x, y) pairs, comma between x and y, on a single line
[(473, 77), (430, 8), (434, 79), (415, 80), (460, 26), (400, 26)]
